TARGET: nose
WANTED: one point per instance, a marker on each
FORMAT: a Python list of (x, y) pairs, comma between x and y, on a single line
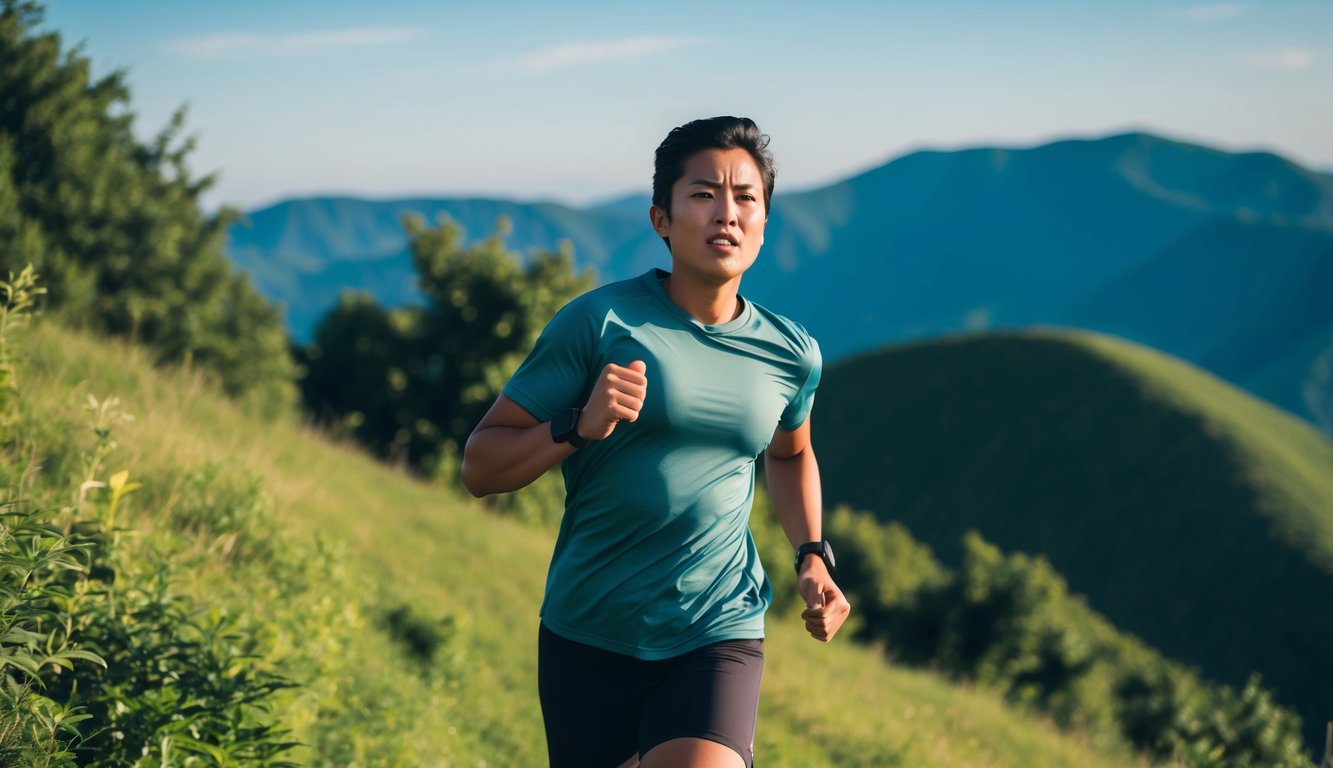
[(725, 213)]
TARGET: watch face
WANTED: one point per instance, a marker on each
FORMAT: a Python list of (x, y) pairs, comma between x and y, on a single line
[(821, 548)]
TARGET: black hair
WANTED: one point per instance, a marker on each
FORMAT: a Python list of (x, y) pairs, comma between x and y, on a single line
[(710, 133)]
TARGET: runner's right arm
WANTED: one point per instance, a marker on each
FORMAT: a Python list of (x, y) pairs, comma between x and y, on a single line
[(510, 448)]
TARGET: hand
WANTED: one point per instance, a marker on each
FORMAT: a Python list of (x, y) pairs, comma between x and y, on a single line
[(617, 396), (826, 607)]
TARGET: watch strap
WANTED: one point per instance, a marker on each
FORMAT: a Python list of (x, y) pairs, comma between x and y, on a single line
[(565, 428), (821, 548)]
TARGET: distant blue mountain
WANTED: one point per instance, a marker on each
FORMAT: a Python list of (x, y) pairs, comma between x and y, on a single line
[(1222, 258)]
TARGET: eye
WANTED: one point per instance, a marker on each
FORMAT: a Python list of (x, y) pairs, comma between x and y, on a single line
[(703, 194), (747, 197)]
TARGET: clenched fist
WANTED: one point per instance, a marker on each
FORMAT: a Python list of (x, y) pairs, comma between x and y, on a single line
[(617, 396)]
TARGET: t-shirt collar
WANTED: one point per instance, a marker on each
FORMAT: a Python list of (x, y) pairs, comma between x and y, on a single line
[(652, 280)]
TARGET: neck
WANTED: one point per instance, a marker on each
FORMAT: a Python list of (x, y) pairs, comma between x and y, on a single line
[(709, 303)]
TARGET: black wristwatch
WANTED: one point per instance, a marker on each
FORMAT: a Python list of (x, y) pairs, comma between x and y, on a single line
[(821, 548), (565, 428)]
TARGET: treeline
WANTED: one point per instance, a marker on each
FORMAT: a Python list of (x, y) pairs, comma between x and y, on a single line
[(1008, 622), (411, 382), (115, 228), (114, 225)]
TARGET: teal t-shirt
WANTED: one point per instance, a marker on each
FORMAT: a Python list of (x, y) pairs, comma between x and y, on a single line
[(654, 557)]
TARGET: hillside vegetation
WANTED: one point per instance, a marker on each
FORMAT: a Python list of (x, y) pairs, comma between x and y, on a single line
[(407, 615), (1190, 514)]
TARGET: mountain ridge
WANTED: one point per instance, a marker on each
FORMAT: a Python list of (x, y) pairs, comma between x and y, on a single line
[(930, 243)]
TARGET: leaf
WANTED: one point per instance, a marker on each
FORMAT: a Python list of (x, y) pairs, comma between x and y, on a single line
[(84, 656), (198, 747), (17, 635), (23, 661)]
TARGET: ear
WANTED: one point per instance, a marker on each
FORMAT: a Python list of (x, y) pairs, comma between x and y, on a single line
[(658, 216)]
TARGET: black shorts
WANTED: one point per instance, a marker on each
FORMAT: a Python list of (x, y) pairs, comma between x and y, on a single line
[(601, 708)]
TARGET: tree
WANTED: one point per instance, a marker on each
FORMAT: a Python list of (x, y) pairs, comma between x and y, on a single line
[(411, 383), (114, 225)]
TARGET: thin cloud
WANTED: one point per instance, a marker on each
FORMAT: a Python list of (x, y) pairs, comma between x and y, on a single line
[(1279, 59), (1212, 11), (213, 46), (576, 54)]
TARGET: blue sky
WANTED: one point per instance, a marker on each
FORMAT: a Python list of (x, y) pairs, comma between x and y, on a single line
[(567, 101)]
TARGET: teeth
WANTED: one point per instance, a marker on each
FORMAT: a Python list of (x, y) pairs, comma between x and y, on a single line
[(721, 241)]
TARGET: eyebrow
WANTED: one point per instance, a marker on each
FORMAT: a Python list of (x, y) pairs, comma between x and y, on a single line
[(718, 185)]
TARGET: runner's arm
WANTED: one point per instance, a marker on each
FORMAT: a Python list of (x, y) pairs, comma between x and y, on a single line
[(508, 450), (510, 447), (793, 484)]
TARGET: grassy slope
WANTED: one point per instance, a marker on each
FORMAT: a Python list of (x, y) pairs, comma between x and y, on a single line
[(836, 705), (1189, 513)]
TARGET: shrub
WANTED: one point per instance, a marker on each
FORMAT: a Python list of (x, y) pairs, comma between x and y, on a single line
[(1007, 621)]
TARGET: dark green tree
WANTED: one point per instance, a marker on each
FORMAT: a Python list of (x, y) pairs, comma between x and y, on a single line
[(114, 225), (411, 383)]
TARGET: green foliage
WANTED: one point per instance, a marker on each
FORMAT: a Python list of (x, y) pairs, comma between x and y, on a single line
[(102, 660), (1008, 622), (891, 572), (17, 299), (411, 383), (178, 678), (37, 561), (36, 637), (115, 226)]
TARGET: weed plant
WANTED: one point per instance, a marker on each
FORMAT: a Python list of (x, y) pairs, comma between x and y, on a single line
[(104, 661)]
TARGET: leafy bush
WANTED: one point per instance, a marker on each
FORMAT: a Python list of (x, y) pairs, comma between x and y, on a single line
[(103, 661), (411, 383), (1008, 622)]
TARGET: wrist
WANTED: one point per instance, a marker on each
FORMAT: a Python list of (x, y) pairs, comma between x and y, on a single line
[(809, 563), (820, 551), (564, 428), (578, 428)]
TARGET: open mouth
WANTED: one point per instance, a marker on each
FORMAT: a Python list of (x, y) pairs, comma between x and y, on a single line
[(723, 240)]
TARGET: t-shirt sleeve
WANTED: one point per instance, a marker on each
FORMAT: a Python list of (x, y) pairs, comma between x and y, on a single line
[(556, 372), (798, 409)]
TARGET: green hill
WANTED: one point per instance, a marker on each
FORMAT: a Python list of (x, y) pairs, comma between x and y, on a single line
[(374, 545), (1189, 513)]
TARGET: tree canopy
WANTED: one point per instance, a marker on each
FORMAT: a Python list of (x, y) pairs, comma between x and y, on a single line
[(410, 383), (114, 226)]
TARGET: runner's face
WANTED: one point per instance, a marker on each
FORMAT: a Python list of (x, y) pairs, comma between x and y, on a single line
[(717, 215)]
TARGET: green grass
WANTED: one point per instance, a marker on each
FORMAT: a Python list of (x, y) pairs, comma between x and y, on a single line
[(1189, 513), (347, 539)]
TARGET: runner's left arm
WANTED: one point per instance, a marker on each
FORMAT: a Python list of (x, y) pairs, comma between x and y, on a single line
[(793, 484)]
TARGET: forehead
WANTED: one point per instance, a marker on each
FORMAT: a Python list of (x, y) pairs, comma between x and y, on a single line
[(733, 165)]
